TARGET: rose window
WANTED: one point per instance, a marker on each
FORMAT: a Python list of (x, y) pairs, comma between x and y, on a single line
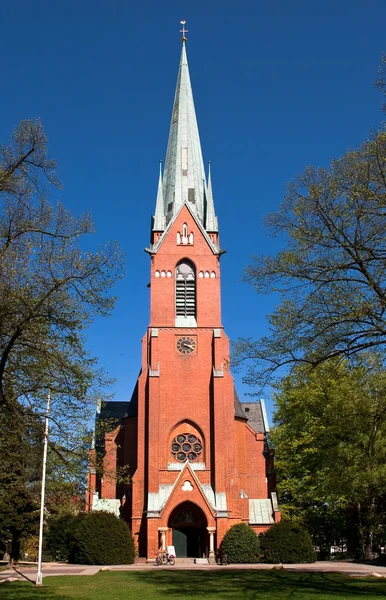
[(186, 446)]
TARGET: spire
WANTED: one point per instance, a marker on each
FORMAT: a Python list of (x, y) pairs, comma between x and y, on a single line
[(211, 219), (159, 217), (184, 180)]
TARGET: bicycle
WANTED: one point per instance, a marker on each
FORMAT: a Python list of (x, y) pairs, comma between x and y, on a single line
[(163, 558), (222, 558)]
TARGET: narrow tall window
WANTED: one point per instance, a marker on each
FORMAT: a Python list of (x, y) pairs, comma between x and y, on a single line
[(185, 290)]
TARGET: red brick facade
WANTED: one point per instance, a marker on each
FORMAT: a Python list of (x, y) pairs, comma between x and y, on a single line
[(186, 394), (185, 389)]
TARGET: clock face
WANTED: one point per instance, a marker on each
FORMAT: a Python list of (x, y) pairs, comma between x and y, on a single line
[(186, 345)]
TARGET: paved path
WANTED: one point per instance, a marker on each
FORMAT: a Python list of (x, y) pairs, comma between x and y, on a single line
[(28, 571)]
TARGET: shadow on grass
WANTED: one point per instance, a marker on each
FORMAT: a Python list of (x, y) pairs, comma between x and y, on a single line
[(227, 584), (28, 591), (270, 584), (23, 575)]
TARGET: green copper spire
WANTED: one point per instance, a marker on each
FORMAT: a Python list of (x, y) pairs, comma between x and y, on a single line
[(211, 219), (184, 180), (159, 217)]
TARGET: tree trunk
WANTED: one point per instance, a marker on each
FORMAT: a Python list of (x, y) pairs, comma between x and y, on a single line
[(15, 548), (365, 528)]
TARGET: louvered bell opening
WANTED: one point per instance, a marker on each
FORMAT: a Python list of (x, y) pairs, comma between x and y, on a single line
[(185, 290), (185, 298), (180, 298), (190, 299)]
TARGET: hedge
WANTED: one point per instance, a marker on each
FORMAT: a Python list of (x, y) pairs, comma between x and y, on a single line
[(101, 538), (287, 542), (240, 544), (95, 538), (60, 535)]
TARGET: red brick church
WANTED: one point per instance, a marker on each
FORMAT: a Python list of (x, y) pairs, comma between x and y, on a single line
[(199, 460)]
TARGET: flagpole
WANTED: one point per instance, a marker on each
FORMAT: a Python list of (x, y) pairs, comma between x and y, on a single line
[(39, 577)]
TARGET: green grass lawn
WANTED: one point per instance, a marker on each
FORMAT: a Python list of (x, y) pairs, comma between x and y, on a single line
[(188, 585)]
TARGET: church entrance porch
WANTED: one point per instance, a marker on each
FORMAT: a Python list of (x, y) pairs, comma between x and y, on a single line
[(189, 531), (187, 542)]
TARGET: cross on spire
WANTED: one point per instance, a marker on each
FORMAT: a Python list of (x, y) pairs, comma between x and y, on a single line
[(183, 31)]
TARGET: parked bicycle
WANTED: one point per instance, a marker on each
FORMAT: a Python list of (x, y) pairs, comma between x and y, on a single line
[(222, 558), (163, 558)]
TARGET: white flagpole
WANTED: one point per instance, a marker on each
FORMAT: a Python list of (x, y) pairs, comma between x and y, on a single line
[(39, 577)]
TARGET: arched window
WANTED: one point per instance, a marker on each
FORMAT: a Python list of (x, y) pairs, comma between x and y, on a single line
[(185, 290)]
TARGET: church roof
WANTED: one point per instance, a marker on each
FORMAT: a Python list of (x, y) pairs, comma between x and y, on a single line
[(132, 407), (239, 413), (253, 411), (107, 418), (113, 411), (184, 179)]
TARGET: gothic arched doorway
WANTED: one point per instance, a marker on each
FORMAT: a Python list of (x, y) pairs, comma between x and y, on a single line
[(189, 531)]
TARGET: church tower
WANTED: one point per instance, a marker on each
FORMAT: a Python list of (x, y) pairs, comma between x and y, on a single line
[(199, 460)]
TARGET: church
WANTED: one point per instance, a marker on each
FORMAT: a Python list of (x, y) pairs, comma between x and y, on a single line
[(198, 459)]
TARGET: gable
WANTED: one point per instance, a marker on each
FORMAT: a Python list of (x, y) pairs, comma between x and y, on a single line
[(181, 491), (175, 226)]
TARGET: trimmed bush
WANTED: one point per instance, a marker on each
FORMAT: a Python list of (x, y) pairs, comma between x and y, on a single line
[(101, 538), (287, 542), (60, 536), (241, 544)]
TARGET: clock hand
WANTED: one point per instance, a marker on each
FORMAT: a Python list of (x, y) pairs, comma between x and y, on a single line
[(187, 345)]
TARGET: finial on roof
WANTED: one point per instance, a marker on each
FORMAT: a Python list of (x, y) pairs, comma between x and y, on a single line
[(183, 31)]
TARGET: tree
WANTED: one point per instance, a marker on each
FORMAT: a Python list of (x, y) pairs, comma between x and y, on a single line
[(51, 288), (20, 469), (331, 274), (381, 80), (21, 453), (330, 438)]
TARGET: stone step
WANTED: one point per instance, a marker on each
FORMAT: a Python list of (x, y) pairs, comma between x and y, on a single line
[(185, 561), (201, 561)]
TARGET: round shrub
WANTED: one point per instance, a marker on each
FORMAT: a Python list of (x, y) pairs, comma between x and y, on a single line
[(241, 544), (287, 542), (60, 535), (101, 538)]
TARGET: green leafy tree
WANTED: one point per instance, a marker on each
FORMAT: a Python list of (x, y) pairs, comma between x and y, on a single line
[(330, 438), (331, 273), (51, 288), (20, 445), (332, 524)]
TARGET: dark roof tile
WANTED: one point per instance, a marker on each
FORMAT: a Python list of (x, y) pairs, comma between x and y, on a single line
[(253, 412)]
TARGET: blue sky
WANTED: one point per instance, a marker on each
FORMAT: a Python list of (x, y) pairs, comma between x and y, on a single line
[(277, 86)]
